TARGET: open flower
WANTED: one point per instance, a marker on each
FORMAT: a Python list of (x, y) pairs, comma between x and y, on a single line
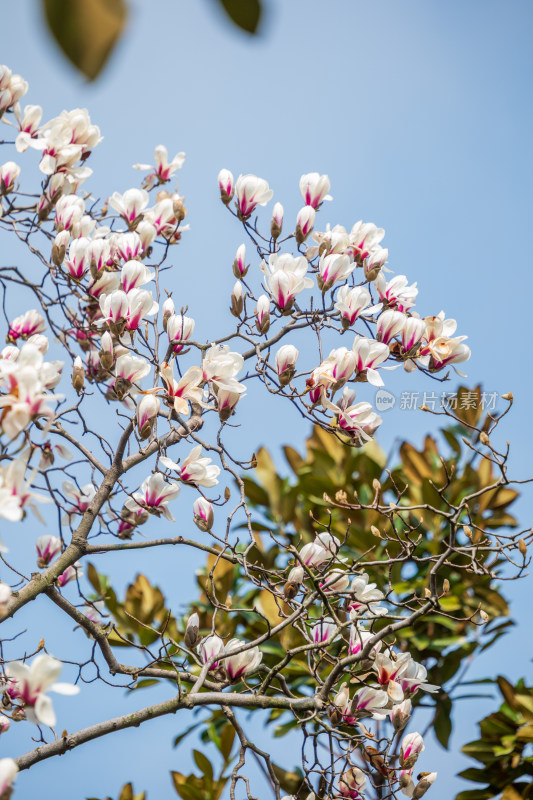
[(251, 192), (48, 547), (28, 684), (8, 773), (155, 494), (243, 662), (286, 277), (324, 547), (314, 188), (209, 648), (163, 169), (195, 469)]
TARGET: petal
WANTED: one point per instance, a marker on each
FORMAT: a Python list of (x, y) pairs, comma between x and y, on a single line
[(65, 688), (44, 711)]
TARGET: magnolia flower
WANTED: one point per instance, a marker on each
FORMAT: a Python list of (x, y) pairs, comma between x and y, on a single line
[(251, 192), (314, 189), (225, 184), (352, 303), (72, 573), (8, 767), (227, 399), (195, 469), (369, 701), (203, 514), (82, 498), (209, 648), (412, 677), (68, 212), (396, 293), (126, 246), (237, 299), (286, 358), (140, 304), (155, 494), (364, 239), (305, 220), (276, 223), (286, 277), (400, 713), (134, 274), (28, 685), (352, 782), (262, 314), (335, 581), (191, 630), (147, 411), (188, 388), (412, 333), (77, 263), (387, 673), (5, 724), (368, 355), (179, 328), (334, 268), (411, 747), (26, 325), (131, 204), (9, 173), (426, 780), (163, 169), (324, 630), (48, 547), (221, 365), (130, 369), (358, 420), (243, 662), (364, 595), (239, 264), (390, 323), (322, 549), (358, 638), (16, 492)]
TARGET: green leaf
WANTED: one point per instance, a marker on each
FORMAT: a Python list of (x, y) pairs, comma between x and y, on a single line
[(86, 30), (246, 14), (203, 764)]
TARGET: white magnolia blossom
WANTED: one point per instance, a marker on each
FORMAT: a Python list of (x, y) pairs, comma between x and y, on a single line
[(195, 469), (242, 662), (27, 684), (8, 773), (251, 192), (286, 278)]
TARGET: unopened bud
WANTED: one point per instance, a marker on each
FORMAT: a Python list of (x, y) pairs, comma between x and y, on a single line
[(168, 311), (203, 514), (508, 396), (237, 300), (445, 586), (276, 223), (226, 186), (262, 314), (240, 268), (59, 248), (483, 438), (178, 206), (191, 631), (304, 223), (78, 375)]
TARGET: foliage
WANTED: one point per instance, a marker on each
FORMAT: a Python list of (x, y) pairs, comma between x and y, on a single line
[(87, 31), (504, 748)]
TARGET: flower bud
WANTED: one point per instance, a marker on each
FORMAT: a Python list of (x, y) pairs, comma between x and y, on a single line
[(237, 300), (106, 351), (191, 631), (5, 722), (292, 587), (400, 715), (168, 311), (203, 514), (286, 363), (240, 268), (304, 223), (262, 314), (276, 223), (410, 748), (9, 173), (426, 779), (147, 411), (47, 547), (78, 375), (226, 186), (59, 248)]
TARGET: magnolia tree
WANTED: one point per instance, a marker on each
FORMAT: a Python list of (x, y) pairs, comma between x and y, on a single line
[(99, 302)]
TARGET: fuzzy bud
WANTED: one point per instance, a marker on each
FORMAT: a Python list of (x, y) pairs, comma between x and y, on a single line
[(191, 631), (276, 223), (78, 375), (237, 300)]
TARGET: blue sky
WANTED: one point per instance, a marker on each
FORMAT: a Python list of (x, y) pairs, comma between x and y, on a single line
[(420, 113)]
